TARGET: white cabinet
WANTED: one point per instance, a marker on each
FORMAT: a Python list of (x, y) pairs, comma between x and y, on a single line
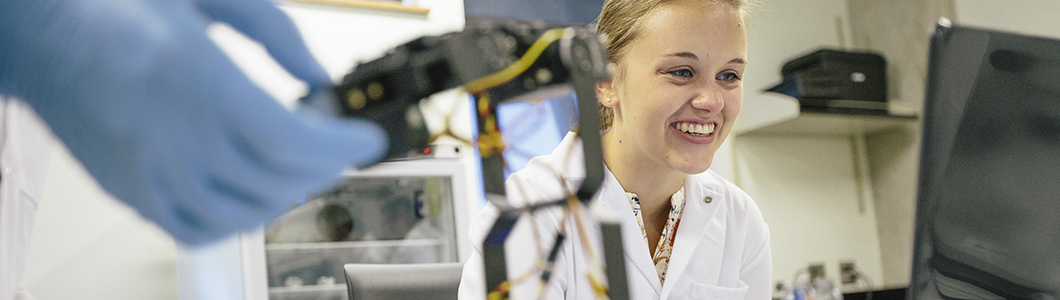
[(414, 211), (398, 212)]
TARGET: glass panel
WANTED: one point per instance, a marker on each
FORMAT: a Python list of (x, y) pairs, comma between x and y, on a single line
[(368, 220)]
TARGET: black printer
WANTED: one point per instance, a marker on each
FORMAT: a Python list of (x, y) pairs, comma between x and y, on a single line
[(836, 81)]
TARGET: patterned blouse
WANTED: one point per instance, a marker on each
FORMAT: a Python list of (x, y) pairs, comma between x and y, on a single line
[(661, 258)]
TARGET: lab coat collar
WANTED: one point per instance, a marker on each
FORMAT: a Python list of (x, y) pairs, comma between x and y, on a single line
[(702, 227)]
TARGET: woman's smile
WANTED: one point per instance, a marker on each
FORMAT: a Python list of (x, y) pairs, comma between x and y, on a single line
[(695, 132)]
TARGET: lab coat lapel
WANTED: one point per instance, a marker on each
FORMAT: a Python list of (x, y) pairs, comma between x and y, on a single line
[(701, 227), (638, 260)]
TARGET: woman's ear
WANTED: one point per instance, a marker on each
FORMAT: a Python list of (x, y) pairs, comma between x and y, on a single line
[(605, 93)]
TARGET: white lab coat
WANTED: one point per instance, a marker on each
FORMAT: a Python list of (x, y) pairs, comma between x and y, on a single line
[(721, 249), (25, 143)]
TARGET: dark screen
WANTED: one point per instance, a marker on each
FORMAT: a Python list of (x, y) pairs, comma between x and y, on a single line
[(988, 213), (552, 11)]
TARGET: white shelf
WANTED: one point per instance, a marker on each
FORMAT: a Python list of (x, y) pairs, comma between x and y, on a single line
[(833, 124), (351, 245)]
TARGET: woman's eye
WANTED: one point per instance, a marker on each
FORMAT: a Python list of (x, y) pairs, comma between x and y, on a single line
[(686, 73), (728, 76)]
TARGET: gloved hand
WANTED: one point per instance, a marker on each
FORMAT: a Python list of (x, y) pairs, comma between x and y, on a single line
[(164, 120)]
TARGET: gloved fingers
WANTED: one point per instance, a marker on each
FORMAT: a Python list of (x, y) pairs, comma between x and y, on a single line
[(262, 21), (256, 159), (288, 144), (156, 112), (362, 140), (221, 211), (176, 196), (205, 192), (301, 166), (182, 140)]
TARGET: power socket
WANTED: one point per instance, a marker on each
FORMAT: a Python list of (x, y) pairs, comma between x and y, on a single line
[(848, 272), (816, 270)]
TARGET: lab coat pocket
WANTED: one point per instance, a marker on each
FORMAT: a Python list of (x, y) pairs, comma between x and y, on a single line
[(713, 292)]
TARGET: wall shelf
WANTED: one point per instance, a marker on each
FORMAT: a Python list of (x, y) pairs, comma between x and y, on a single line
[(834, 124)]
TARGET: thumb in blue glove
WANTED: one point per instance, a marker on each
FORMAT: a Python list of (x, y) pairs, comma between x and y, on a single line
[(164, 121)]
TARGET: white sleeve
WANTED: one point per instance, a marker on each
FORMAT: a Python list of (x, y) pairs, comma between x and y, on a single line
[(523, 250), (473, 279), (757, 271), (25, 144)]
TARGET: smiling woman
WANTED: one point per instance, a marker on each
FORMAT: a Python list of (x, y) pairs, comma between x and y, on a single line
[(674, 97), (679, 67)]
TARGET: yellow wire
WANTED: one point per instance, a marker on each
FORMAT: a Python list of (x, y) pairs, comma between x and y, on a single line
[(519, 66), (595, 264), (489, 142)]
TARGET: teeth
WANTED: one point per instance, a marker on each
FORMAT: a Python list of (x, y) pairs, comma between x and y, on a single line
[(695, 129)]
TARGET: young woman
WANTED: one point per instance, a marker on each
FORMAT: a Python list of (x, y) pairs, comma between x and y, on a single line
[(687, 232)]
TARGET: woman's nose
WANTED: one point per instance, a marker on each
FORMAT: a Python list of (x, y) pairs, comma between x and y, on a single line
[(709, 99)]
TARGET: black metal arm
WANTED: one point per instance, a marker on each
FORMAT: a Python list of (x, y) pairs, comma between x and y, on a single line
[(387, 90)]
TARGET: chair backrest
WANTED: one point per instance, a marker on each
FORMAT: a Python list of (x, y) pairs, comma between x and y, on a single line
[(403, 281)]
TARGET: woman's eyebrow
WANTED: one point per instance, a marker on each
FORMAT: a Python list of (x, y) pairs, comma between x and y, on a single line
[(688, 55), (692, 56)]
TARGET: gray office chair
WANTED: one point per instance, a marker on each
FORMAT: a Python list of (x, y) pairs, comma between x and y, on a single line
[(403, 281)]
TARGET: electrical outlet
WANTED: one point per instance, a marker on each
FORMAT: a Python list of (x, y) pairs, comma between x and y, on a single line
[(848, 272), (816, 270)]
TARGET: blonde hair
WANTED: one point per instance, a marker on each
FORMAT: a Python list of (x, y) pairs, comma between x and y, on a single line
[(619, 19)]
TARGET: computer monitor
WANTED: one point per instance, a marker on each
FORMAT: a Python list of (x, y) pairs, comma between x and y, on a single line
[(988, 211)]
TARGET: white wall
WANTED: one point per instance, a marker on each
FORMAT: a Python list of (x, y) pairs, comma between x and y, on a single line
[(893, 163), (86, 245), (808, 190), (1036, 17)]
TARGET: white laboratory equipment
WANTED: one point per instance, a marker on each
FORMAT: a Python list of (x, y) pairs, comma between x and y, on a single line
[(412, 211)]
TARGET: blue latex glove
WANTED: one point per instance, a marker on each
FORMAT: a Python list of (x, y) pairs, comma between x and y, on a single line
[(164, 120)]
